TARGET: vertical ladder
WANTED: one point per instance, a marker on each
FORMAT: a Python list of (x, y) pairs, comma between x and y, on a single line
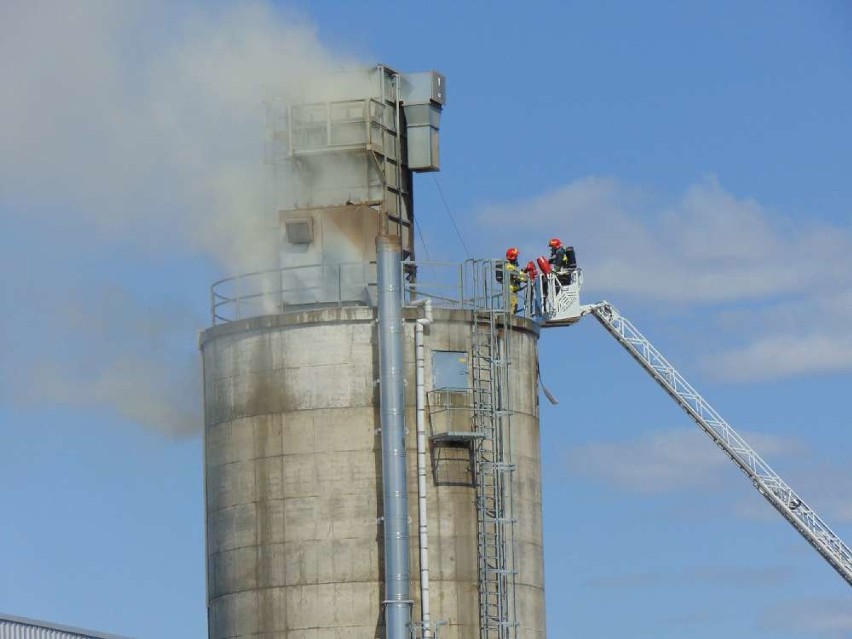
[(493, 468)]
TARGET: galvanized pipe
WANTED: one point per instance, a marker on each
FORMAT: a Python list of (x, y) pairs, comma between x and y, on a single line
[(392, 393), (420, 381)]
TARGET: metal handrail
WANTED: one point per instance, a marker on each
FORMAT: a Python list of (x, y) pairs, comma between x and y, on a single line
[(471, 285)]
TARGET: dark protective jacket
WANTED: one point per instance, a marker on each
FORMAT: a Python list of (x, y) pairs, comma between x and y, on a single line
[(563, 258)]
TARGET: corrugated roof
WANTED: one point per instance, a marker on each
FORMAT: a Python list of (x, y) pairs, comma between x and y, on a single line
[(22, 628)]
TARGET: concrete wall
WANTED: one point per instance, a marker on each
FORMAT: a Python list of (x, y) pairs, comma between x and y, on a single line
[(293, 484)]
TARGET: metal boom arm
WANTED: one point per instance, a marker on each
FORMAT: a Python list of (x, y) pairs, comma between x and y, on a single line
[(768, 483)]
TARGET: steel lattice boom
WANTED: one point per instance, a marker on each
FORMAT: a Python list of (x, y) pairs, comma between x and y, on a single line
[(768, 483)]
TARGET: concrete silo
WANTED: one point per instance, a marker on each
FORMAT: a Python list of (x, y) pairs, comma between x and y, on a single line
[(314, 526)]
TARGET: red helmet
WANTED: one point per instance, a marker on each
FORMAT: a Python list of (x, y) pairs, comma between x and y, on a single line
[(512, 253), (530, 268), (555, 243)]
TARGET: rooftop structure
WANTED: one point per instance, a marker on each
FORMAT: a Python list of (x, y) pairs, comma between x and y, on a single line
[(22, 628)]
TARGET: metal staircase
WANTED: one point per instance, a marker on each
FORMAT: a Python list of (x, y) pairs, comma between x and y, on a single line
[(493, 468)]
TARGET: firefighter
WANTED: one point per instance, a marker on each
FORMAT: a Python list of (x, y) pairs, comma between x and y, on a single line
[(563, 260), (533, 301), (517, 277)]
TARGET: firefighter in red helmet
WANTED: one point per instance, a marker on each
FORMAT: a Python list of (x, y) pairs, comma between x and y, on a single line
[(533, 302), (517, 277), (562, 259)]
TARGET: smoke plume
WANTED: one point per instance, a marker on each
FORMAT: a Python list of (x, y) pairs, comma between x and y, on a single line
[(131, 174)]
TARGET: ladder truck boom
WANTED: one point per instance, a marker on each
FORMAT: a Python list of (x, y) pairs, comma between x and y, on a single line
[(784, 499)]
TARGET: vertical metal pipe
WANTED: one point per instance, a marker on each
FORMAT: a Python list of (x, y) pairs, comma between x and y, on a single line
[(238, 297), (340, 285), (423, 531), (399, 186), (394, 486)]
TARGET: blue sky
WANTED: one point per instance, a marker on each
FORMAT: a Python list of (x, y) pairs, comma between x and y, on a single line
[(696, 154)]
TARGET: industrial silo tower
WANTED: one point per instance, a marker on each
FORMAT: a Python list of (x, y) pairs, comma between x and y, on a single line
[(370, 470)]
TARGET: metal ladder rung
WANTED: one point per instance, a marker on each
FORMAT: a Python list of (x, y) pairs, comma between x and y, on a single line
[(493, 472)]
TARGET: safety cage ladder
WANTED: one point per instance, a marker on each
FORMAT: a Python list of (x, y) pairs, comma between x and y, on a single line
[(493, 467)]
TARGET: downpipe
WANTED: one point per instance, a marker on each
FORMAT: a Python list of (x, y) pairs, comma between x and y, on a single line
[(423, 536), (397, 601)]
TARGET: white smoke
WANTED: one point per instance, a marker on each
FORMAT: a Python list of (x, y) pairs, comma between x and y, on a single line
[(131, 153)]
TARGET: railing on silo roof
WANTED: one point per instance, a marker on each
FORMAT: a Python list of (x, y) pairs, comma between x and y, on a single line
[(471, 285)]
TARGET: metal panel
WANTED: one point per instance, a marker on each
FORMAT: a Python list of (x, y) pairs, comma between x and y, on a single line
[(23, 628), (429, 86), (423, 149), (449, 369)]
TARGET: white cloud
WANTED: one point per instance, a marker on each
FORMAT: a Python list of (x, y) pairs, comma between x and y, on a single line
[(707, 246), (723, 256), (784, 355), (728, 576), (803, 335), (823, 618), (664, 461)]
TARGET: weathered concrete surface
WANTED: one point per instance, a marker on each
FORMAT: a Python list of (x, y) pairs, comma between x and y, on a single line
[(293, 484)]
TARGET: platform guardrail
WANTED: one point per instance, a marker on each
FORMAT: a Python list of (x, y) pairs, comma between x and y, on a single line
[(467, 285)]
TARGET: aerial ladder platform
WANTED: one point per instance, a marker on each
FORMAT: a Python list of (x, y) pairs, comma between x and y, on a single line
[(556, 299)]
